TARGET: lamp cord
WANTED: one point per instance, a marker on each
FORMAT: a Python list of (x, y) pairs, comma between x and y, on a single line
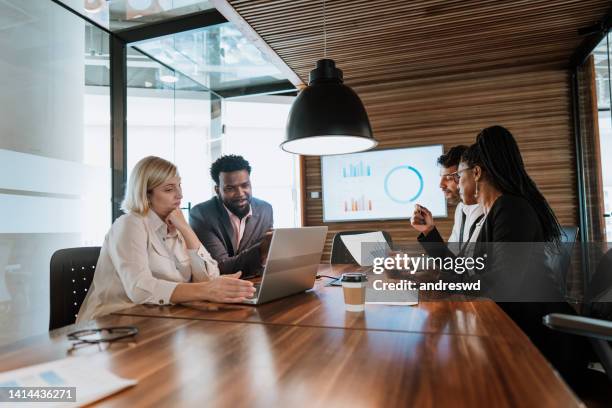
[(324, 32)]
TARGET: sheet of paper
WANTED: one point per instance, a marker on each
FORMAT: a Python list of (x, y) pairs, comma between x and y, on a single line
[(373, 243), (92, 381)]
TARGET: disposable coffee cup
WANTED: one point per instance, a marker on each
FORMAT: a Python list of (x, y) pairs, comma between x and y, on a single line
[(354, 288)]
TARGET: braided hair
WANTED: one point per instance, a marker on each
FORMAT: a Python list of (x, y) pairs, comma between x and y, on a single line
[(498, 154)]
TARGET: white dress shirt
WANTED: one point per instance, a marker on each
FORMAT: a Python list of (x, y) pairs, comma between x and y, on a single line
[(238, 224), (472, 213), (140, 262)]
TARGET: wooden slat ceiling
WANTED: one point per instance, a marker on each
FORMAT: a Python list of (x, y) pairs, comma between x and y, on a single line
[(378, 41)]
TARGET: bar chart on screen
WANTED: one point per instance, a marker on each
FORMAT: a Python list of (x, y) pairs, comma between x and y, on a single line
[(358, 169), (358, 204)]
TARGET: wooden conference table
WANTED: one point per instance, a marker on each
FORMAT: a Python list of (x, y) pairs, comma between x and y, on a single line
[(307, 351)]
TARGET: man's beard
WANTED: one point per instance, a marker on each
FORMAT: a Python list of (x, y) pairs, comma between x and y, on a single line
[(237, 211), (454, 199)]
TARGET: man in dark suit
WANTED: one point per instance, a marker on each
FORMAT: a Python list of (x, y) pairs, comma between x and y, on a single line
[(234, 226)]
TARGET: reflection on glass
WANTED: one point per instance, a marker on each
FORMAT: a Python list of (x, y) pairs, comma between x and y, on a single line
[(218, 57), (602, 62), (55, 126), (122, 14), (602, 73), (275, 177), (172, 119)]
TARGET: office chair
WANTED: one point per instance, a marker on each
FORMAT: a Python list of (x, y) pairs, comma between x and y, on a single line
[(72, 272), (559, 259), (341, 255), (569, 233), (597, 330)]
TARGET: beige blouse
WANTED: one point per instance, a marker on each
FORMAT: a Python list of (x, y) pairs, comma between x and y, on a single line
[(140, 262)]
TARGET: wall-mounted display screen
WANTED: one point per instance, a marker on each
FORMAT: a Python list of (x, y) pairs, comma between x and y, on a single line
[(382, 184)]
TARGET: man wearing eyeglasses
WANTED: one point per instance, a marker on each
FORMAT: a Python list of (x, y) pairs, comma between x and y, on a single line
[(468, 213)]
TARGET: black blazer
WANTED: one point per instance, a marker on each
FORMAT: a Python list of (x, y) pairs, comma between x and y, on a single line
[(518, 267), (511, 219), (522, 273), (212, 225)]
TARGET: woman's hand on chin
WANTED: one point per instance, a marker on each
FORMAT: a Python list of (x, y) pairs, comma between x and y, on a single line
[(176, 220)]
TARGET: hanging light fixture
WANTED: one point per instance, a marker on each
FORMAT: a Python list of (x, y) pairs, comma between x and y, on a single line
[(327, 117)]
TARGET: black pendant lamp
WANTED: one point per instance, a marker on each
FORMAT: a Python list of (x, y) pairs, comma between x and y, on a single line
[(327, 117)]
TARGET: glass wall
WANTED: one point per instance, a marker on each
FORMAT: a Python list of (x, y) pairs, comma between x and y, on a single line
[(174, 117), (602, 63), (254, 128), (171, 116), (123, 14), (219, 57), (54, 149)]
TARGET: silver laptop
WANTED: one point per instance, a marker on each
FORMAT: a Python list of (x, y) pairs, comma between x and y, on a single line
[(293, 260)]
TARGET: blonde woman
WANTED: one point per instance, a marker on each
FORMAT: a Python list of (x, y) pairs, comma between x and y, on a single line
[(151, 254)]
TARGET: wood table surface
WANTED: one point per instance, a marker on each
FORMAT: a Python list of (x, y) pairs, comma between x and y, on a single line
[(258, 363), (195, 363), (323, 306)]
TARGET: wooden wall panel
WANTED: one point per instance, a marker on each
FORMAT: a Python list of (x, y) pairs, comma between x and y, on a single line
[(535, 106)]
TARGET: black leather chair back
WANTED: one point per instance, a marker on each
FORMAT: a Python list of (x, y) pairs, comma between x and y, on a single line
[(560, 258), (72, 272), (341, 255), (569, 233)]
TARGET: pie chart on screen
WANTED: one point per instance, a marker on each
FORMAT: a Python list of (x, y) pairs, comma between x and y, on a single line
[(382, 184), (403, 184)]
